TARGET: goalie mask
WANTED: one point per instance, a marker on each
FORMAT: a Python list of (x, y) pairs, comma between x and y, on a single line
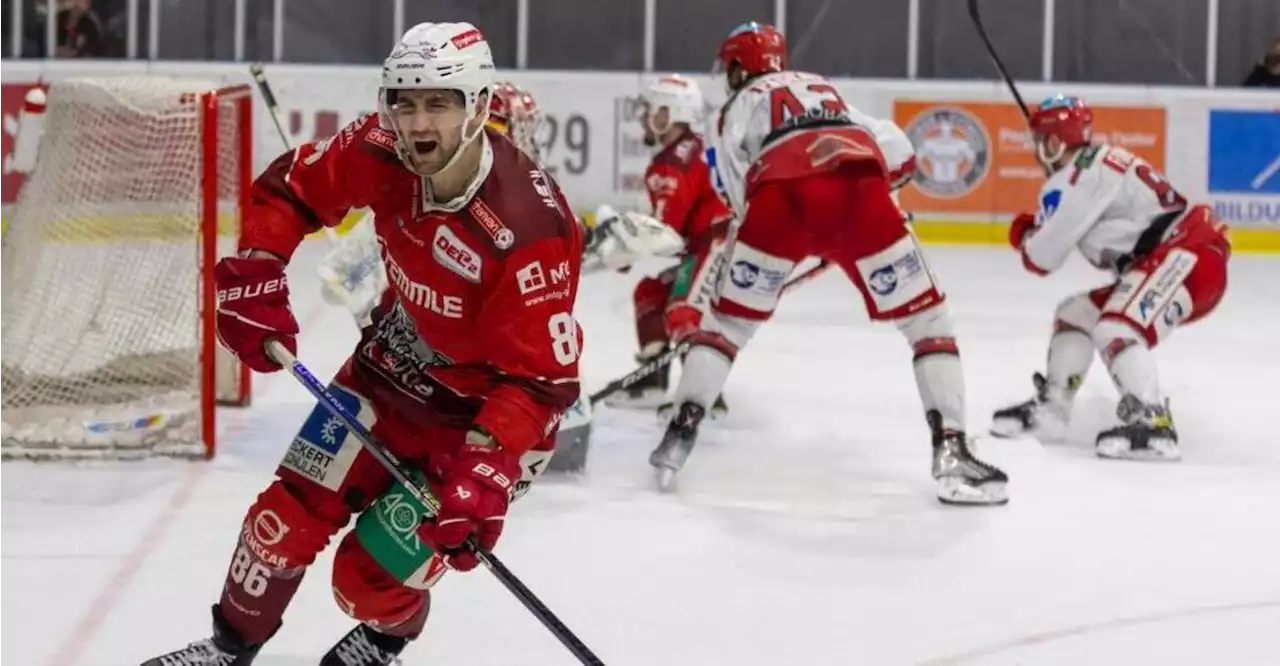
[(451, 57), (666, 102), (514, 112)]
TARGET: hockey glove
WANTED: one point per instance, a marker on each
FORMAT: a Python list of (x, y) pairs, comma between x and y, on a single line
[(474, 498), (253, 307), (1022, 225)]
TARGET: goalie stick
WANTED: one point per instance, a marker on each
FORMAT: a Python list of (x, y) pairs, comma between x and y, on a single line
[(665, 358), (281, 355)]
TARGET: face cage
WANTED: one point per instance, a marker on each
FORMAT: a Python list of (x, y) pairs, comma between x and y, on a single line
[(529, 135)]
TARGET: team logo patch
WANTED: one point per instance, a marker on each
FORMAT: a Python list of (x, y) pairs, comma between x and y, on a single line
[(953, 151)]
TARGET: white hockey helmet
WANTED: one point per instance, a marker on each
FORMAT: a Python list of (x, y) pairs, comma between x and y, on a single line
[(439, 56), (680, 95)]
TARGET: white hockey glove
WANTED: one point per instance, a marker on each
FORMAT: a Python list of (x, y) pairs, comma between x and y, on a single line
[(619, 240), (352, 271)]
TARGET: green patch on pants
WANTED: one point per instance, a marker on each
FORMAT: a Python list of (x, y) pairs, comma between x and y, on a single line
[(388, 530)]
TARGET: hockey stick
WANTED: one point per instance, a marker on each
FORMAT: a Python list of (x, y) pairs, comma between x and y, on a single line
[(976, 16), (665, 358), (281, 355)]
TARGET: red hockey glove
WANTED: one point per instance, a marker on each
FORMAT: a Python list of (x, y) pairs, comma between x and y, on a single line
[(473, 500), (1022, 225), (253, 307)]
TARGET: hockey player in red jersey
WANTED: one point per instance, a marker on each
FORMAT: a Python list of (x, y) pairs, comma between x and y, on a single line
[(1168, 256), (807, 175), (670, 306), (470, 360)]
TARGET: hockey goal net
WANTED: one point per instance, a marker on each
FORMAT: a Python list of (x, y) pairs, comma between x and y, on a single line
[(108, 302)]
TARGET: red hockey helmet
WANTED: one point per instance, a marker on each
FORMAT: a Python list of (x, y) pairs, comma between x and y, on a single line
[(1067, 118), (756, 48)]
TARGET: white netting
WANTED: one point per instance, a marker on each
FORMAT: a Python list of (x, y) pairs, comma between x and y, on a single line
[(102, 272)]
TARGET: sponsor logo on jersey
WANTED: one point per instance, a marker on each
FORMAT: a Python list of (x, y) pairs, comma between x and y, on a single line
[(1048, 205), (542, 186), (382, 138), (449, 251), (953, 151), (503, 238), (421, 295), (531, 278), (659, 184)]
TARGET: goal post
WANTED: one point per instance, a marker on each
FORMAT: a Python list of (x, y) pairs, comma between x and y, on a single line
[(109, 349)]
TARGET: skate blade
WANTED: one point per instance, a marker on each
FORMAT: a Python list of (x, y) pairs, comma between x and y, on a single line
[(1008, 429), (1122, 451), (958, 492), (666, 479), (666, 410), (636, 402)]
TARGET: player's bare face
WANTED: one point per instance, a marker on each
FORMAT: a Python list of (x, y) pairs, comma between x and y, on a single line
[(429, 123)]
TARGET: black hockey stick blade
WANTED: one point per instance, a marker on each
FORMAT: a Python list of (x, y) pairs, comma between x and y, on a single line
[(628, 380), (976, 16), (392, 464)]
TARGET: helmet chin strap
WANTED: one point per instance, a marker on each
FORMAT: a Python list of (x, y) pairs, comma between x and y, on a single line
[(1050, 160)]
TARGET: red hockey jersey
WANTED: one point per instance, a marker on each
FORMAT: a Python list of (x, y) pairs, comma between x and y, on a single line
[(477, 325), (683, 196)]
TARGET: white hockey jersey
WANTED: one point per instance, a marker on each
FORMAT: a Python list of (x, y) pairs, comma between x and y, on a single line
[(1101, 203), (781, 102)]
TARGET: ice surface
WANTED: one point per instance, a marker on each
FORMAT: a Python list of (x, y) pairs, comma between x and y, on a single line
[(804, 530)]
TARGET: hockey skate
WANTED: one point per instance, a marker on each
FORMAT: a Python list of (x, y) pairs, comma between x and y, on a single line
[(1047, 411), (224, 648), (719, 409), (365, 646), (962, 478), (1146, 433), (647, 393), (676, 444)]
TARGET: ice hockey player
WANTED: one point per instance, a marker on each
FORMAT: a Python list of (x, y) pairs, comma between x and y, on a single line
[(352, 273), (670, 305), (1169, 259), (810, 178), (469, 363)]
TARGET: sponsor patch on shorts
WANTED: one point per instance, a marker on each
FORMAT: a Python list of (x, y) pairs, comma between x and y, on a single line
[(322, 450)]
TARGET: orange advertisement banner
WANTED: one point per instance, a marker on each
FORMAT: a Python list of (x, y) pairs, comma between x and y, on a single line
[(976, 158)]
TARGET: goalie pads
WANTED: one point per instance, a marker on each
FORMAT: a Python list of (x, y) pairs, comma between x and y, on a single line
[(352, 271), (620, 239), (573, 438)]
